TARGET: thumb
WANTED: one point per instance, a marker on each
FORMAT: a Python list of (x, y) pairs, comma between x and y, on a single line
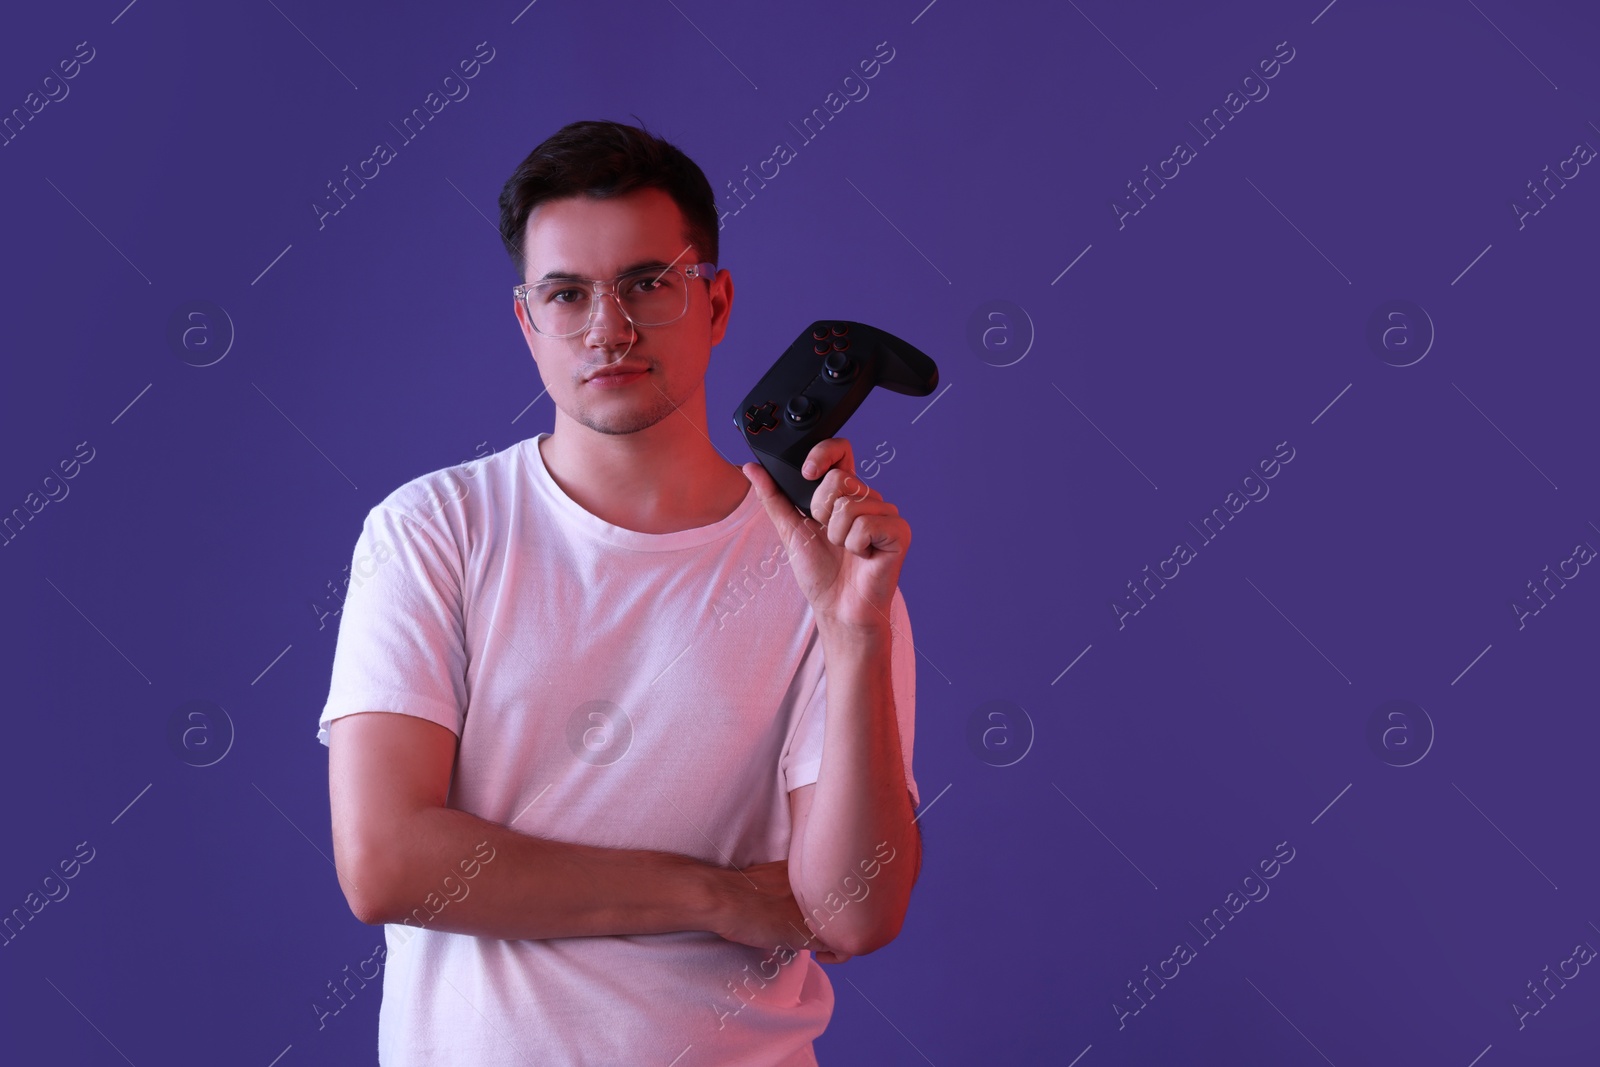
[(783, 512)]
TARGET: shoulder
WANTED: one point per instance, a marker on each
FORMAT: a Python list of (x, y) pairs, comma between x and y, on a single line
[(451, 498)]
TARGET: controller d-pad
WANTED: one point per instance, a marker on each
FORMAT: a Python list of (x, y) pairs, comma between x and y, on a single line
[(758, 417)]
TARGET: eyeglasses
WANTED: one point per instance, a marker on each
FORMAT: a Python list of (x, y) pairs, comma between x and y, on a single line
[(649, 296)]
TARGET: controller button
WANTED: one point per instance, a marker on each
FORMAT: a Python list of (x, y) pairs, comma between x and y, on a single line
[(841, 343), (758, 417), (840, 329), (801, 409), (821, 348), (820, 334)]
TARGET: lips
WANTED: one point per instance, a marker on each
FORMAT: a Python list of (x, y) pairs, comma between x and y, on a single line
[(612, 371)]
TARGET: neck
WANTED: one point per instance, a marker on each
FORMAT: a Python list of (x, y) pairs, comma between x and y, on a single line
[(662, 479)]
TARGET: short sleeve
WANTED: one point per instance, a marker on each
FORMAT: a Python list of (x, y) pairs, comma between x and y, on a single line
[(401, 644), (803, 763)]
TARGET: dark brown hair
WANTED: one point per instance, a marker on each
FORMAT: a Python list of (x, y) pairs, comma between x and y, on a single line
[(602, 159)]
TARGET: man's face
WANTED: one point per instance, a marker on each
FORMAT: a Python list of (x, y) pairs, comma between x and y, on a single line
[(600, 239)]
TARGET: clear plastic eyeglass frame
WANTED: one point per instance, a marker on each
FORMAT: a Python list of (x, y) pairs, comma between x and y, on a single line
[(609, 288)]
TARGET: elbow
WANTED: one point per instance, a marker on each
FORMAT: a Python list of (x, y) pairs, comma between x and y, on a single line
[(364, 906), (363, 891), (866, 939)]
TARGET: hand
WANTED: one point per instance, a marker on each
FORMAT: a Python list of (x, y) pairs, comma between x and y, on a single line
[(758, 909), (849, 576)]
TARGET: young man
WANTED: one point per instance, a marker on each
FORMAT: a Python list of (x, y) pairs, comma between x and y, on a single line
[(619, 741)]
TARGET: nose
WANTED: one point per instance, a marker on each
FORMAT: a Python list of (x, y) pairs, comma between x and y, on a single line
[(608, 324)]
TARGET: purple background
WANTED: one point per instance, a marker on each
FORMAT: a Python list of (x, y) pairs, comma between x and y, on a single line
[(192, 558)]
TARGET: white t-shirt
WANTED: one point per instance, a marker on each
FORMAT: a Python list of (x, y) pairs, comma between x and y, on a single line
[(609, 687)]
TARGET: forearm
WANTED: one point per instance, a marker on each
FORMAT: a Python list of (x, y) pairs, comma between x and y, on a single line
[(447, 869), (860, 845)]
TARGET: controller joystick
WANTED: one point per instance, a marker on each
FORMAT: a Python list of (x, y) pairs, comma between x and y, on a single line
[(814, 388)]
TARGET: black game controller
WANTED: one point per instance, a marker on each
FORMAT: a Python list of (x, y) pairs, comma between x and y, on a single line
[(815, 386)]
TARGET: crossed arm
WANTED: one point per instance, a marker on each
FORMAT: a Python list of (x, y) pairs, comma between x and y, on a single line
[(395, 843)]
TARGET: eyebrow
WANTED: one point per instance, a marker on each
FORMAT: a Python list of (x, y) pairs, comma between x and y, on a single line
[(570, 276)]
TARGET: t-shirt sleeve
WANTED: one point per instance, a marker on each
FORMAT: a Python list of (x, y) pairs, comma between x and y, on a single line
[(803, 763), (401, 644)]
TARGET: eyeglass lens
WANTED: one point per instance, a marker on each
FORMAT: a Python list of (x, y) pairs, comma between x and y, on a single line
[(651, 297)]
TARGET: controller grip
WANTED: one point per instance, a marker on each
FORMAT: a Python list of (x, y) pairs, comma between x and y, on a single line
[(796, 486), (907, 370)]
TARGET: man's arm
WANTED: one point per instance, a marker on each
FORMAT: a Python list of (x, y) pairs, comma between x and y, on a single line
[(856, 821), (401, 854)]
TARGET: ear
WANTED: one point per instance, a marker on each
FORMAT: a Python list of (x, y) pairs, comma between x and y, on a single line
[(522, 321), (721, 291)]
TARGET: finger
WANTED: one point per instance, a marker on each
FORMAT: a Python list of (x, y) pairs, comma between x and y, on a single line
[(837, 484), (874, 535), (849, 514), (783, 512), (826, 454)]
